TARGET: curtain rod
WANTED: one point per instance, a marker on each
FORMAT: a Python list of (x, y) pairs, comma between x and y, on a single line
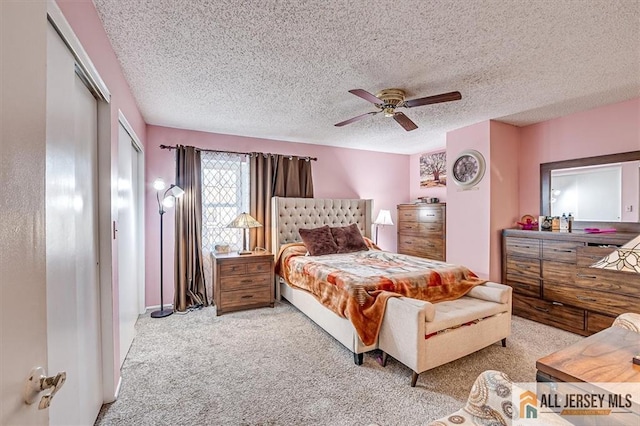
[(170, 147)]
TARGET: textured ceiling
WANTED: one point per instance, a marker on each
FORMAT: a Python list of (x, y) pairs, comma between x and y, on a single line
[(281, 69)]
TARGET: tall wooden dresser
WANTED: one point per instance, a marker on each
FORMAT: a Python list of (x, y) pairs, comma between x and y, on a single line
[(553, 283), (422, 230)]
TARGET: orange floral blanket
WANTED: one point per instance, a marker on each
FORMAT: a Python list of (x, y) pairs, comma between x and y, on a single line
[(357, 285)]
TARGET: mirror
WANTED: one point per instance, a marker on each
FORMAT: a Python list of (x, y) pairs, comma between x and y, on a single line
[(604, 190)]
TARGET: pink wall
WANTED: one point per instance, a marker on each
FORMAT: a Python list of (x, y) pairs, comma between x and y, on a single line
[(468, 211), (503, 173), (415, 190), (84, 20), (605, 130), (338, 173)]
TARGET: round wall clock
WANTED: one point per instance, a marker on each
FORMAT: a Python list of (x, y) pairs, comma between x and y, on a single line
[(468, 168)]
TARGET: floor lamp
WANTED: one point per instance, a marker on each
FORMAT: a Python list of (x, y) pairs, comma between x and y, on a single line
[(168, 201), (384, 218)]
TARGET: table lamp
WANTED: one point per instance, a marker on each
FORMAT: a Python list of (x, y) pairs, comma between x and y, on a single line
[(244, 221), (384, 218)]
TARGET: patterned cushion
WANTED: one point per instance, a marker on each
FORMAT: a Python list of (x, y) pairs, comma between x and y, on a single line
[(318, 241), (489, 404), (630, 321)]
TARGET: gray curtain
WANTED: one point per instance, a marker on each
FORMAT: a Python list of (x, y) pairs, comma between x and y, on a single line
[(292, 177), (190, 287)]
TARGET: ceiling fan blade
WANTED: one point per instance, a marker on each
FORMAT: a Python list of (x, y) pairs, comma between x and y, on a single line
[(351, 120), (366, 96), (444, 97), (404, 121)]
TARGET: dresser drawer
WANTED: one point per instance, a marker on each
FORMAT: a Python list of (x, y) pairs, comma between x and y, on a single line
[(550, 313), (608, 281), (245, 297), (523, 247), (559, 250), (588, 255), (416, 243), (598, 322), (425, 253), (558, 271), (430, 215), (524, 285), (431, 229), (593, 300), (233, 268), (523, 266), (231, 283)]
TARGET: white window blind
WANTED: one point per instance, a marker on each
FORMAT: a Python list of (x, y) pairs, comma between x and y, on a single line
[(225, 194)]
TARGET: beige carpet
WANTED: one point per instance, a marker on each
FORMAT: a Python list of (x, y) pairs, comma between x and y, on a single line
[(276, 367)]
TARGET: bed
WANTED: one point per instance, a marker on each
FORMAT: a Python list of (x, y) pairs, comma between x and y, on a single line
[(291, 214)]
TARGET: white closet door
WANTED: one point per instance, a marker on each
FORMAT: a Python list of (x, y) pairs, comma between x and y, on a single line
[(128, 230), (73, 314)]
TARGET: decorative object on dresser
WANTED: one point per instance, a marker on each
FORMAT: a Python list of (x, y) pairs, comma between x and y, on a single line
[(168, 201), (242, 281), (383, 219), (421, 230), (554, 283), (244, 221)]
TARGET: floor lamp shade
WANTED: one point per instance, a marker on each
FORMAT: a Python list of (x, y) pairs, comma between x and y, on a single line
[(244, 221), (384, 218), (167, 201)]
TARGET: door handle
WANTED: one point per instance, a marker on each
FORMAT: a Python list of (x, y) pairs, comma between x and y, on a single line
[(38, 382)]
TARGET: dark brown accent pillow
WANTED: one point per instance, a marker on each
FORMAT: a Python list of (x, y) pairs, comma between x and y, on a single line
[(319, 241), (348, 238)]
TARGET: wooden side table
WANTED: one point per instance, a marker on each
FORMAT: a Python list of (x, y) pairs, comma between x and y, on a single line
[(604, 361), (242, 281)]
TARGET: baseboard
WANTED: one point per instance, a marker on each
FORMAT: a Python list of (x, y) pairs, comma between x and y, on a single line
[(118, 388), (156, 307)]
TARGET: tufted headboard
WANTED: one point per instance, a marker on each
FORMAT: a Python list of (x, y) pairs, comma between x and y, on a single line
[(290, 214)]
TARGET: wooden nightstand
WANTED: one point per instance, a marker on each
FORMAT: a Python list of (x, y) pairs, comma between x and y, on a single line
[(242, 281)]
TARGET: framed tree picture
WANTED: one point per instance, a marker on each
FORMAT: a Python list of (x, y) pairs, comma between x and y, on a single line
[(433, 169)]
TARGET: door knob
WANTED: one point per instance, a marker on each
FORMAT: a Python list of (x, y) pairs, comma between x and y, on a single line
[(38, 382)]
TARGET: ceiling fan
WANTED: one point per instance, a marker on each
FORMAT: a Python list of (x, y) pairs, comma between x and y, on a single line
[(388, 100)]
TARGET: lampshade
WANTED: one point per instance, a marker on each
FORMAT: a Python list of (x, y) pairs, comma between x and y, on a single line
[(159, 184), (625, 258), (384, 218), (245, 221), (174, 191)]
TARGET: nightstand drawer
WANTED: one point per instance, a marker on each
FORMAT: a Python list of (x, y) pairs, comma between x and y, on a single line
[(256, 268), (245, 297), (231, 283), (233, 269)]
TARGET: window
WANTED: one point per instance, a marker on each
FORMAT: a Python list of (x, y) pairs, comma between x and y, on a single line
[(225, 194)]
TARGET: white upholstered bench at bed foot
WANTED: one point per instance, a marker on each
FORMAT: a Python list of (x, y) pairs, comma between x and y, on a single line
[(424, 335)]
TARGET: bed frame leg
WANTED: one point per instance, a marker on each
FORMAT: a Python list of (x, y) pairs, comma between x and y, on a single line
[(385, 356), (357, 358), (504, 342), (414, 379)]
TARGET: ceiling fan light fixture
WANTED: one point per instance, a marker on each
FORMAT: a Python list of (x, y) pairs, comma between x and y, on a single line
[(387, 100)]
